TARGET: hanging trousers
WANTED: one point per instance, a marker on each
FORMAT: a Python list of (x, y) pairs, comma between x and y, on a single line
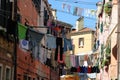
[(59, 47)]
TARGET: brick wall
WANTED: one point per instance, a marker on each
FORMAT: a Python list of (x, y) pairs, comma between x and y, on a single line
[(27, 11)]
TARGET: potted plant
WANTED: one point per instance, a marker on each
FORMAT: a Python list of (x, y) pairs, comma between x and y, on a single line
[(108, 8)]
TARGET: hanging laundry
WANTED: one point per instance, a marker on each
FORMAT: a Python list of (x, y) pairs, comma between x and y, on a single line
[(57, 29), (53, 62), (97, 44), (85, 69), (80, 12), (64, 31), (85, 63), (68, 8), (67, 60), (42, 55), (78, 69), (35, 52), (49, 23), (67, 44), (51, 42), (59, 47), (82, 69), (101, 27), (63, 5), (87, 12), (77, 60), (22, 31), (92, 75), (73, 69), (81, 60), (93, 12), (64, 71), (85, 57), (58, 59), (48, 61), (72, 60), (34, 37), (75, 10), (89, 69), (24, 44)]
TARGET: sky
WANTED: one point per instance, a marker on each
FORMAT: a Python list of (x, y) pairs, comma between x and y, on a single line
[(67, 16)]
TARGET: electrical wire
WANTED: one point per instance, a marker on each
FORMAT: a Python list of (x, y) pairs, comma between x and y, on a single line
[(78, 2), (9, 12), (75, 15)]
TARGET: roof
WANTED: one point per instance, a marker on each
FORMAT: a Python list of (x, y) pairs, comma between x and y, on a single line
[(85, 29), (64, 23)]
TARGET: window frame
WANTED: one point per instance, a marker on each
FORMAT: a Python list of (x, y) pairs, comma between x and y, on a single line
[(8, 67), (79, 42)]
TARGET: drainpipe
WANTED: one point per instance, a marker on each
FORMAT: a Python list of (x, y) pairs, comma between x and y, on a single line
[(14, 18), (118, 41)]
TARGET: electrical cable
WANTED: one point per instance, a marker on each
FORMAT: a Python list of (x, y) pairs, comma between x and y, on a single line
[(76, 15), (78, 2)]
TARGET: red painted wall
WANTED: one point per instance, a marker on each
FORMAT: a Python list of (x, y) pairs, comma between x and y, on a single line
[(27, 10)]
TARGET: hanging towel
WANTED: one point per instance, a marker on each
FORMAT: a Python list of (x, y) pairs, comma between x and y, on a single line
[(24, 44), (22, 31), (51, 42)]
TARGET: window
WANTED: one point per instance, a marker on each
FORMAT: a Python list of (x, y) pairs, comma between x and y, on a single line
[(19, 17), (46, 17), (25, 77), (1, 68), (7, 73), (37, 4), (29, 78), (81, 42)]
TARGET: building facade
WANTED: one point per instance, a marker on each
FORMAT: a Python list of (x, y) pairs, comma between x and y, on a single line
[(7, 43), (83, 40), (107, 24), (25, 27)]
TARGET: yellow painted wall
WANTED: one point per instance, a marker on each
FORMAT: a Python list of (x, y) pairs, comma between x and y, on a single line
[(88, 42)]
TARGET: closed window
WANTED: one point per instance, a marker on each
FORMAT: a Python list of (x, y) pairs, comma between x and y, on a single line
[(81, 42), (7, 73)]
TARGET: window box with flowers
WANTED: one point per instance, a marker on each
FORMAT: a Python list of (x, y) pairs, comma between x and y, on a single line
[(105, 62), (108, 8), (108, 51)]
